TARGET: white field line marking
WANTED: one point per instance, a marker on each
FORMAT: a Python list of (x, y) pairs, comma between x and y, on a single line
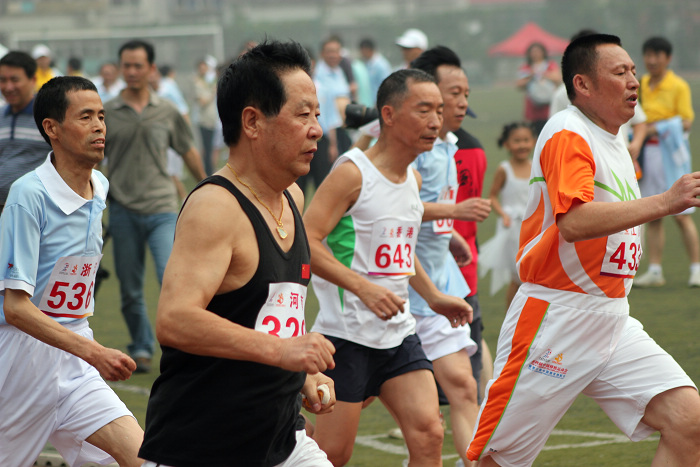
[(374, 442), (130, 388)]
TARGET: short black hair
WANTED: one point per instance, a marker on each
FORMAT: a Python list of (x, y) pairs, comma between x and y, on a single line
[(19, 59), (580, 58), (583, 32), (135, 44), (431, 59), (255, 79), (75, 63), (657, 44), (165, 70), (394, 88), (368, 43), (52, 99)]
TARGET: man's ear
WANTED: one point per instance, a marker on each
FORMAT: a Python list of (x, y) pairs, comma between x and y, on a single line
[(50, 127), (251, 119), (583, 85), (388, 115)]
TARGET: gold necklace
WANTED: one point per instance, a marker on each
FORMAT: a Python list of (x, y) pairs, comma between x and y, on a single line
[(280, 228)]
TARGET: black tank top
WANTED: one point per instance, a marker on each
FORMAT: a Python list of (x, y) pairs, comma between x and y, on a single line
[(220, 412)]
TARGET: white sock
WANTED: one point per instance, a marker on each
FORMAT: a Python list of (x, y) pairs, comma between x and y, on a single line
[(655, 268), (694, 267)]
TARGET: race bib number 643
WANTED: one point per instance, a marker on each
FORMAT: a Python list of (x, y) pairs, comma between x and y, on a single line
[(392, 248)]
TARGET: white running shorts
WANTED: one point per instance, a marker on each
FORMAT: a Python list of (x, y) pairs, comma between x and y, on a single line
[(47, 394)]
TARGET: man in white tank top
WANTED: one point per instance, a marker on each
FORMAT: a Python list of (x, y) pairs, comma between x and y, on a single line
[(362, 226)]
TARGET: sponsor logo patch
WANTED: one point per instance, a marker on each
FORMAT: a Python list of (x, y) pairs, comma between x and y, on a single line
[(549, 366)]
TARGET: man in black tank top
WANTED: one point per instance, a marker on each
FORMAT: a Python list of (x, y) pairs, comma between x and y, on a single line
[(236, 355)]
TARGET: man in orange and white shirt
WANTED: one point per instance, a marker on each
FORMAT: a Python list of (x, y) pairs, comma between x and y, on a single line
[(568, 330)]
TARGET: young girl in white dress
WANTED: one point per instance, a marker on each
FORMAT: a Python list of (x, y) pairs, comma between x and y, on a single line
[(510, 183)]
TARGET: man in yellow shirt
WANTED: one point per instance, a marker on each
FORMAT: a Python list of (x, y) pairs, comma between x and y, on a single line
[(44, 71), (666, 100)]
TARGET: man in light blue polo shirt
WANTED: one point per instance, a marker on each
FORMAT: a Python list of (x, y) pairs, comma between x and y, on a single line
[(448, 348), (378, 67), (51, 370), (21, 146)]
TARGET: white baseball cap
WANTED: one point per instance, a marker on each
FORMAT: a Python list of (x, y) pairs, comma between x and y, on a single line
[(41, 50), (413, 38)]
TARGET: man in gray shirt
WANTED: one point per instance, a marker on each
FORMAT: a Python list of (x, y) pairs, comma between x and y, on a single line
[(22, 148), (143, 199)]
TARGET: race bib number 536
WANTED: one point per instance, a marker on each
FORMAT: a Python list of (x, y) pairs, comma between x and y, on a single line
[(282, 315), (71, 285)]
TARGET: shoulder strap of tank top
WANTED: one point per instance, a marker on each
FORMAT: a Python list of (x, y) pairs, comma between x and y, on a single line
[(223, 183), (245, 203), (509, 170)]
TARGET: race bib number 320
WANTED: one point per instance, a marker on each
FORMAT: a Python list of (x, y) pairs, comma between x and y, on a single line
[(71, 285), (392, 248), (282, 315)]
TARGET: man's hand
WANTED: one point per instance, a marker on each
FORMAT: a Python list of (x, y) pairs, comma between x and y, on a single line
[(310, 391), (113, 364), (455, 309), (460, 250), (472, 209), (381, 301), (311, 353), (683, 194)]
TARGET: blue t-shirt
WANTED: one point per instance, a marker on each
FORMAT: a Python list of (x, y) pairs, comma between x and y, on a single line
[(332, 84), (45, 220), (438, 171)]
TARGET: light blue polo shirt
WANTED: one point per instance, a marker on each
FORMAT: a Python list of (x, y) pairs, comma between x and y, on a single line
[(438, 170), (44, 220), (333, 84)]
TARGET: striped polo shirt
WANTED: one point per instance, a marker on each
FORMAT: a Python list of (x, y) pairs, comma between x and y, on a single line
[(22, 148)]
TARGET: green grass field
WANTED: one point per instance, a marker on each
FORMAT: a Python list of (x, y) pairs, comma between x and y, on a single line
[(585, 436)]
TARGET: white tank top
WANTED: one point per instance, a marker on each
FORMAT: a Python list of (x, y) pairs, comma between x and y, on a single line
[(375, 238), (514, 193)]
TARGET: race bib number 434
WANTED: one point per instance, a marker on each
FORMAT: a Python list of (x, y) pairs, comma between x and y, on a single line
[(71, 285), (392, 248), (282, 315)]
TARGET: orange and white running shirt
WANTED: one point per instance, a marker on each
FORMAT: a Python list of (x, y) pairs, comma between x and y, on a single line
[(577, 160)]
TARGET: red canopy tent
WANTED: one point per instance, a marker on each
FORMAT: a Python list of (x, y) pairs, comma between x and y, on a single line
[(517, 44)]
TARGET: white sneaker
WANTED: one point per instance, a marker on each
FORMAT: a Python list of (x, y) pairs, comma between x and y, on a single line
[(395, 433), (694, 280), (652, 279)]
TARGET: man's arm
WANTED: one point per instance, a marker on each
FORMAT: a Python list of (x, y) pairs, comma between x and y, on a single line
[(455, 309), (334, 197), (194, 163), (460, 249), (21, 313), (639, 133), (471, 209), (208, 257), (584, 221)]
